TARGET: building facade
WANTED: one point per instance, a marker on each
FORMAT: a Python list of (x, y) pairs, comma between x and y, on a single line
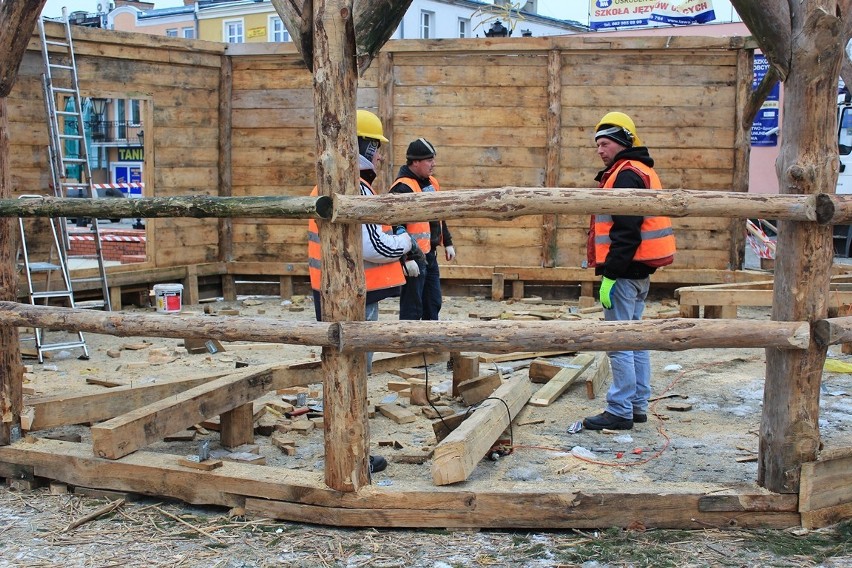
[(245, 21)]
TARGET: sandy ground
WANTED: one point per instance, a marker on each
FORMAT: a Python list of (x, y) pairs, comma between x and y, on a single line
[(712, 443), (709, 447)]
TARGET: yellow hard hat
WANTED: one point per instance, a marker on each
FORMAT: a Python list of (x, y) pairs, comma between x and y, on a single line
[(369, 126), (621, 120)]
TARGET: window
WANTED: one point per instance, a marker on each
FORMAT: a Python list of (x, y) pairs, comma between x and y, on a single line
[(188, 33), (464, 27), (233, 31), (427, 23), (277, 31), (171, 32)]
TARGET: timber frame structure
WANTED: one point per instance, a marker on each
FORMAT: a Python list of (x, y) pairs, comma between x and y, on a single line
[(801, 484)]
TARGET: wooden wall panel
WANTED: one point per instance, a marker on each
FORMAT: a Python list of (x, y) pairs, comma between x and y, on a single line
[(484, 108)]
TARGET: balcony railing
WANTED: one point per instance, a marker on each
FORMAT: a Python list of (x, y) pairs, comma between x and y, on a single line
[(106, 131)]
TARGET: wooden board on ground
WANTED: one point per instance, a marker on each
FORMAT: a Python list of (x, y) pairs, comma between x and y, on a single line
[(560, 383), (456, 456), (602, 374), (477, 389), (520, 355)]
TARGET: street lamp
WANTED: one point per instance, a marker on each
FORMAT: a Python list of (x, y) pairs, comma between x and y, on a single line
[(498, 30), (141, 136), (98, 126)]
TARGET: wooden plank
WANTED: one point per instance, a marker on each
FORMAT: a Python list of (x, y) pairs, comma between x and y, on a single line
[(456, 456), (237, 426), (602, 374), (825, 484), (477, 389), (125, 434), (63, 410), (554, 388), (297, 496)]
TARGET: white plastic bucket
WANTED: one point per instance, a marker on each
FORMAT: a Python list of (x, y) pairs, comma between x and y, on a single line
[(168, 297)]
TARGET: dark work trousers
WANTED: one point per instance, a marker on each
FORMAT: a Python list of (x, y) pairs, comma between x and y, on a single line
[(432, 288), (411, 296)]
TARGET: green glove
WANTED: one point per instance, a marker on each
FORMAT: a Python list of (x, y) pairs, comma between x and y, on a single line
[(606, 289)]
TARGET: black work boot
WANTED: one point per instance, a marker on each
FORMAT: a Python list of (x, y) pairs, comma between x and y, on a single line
[(607, 421), (377, 464)]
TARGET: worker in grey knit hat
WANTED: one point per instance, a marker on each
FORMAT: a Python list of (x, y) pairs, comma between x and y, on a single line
[(420, 298)]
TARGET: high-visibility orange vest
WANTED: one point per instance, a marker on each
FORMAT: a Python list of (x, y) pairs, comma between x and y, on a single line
[(419, 231), (377, 276), (658, 240)]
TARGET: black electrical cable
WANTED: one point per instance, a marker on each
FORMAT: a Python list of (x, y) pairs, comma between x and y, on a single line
[(469, 408)]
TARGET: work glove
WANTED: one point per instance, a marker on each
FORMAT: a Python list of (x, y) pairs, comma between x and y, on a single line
[(410, 269), (451, 253), (606, 290), (416, 253)]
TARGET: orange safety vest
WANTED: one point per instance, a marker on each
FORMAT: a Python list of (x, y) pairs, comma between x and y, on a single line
[(420, 231), (377, 276), (658, 242)]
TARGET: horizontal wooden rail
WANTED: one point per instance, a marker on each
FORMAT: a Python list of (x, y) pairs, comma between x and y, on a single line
[(832, 331), (675, 334), (200, 206), (122, 324), (510, 202), (501, 203)]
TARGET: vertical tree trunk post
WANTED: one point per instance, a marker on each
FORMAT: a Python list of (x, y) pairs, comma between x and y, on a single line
[(11, 371), (343, 293), (17, 20), (807, 163)]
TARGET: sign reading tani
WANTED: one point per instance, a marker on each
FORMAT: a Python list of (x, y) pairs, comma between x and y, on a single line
[(610, 14)]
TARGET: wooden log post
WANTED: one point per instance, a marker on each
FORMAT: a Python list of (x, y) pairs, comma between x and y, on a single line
[(806, 165), (343, 290), (18, 20), (553, 126)]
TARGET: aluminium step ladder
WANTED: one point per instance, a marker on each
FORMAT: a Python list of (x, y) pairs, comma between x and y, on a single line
[(42, 287), (68, 151)]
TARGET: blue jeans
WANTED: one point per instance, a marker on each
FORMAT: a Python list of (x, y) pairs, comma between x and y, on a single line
[(631, 370)]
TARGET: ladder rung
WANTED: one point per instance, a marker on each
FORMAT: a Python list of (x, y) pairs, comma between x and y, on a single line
[(63, 90), (83, 280), (58, 66), (66, 112), (74, 160), (55, 346), (54, 42), (53, 294), (71, 136), (90, 304), (43, 266)]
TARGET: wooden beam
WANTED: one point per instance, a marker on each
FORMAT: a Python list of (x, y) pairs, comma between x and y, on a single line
[(225, 227), (510, 202), (125, 434), (301, 496), (553, 127), (63, 410), (825, 483), (223, 328), (554, 388), (456, 456), (831, 331), (675, 334)]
